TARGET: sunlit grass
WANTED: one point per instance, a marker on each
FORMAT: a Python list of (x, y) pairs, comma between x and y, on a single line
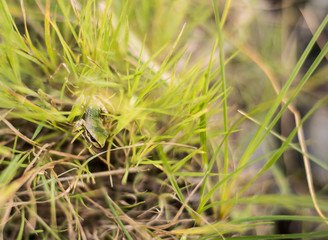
[(178, 162)]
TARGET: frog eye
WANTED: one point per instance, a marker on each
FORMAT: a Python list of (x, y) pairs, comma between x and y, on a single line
[(92, 139)]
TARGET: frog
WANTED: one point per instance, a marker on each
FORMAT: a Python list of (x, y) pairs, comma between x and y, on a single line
[(94, 124)]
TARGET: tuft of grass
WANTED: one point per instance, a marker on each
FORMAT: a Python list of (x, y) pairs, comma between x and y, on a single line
[(191, 104)]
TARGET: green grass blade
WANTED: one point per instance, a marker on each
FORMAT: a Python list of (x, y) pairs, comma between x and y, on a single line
[(110, 205)]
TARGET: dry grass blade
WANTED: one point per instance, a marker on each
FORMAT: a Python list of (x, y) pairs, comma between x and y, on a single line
[(261, 63)]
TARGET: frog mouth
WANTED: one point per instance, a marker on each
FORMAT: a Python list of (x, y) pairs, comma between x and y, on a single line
[(89, 138)]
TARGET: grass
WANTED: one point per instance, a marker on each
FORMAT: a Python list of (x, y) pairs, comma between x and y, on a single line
[(193, 98)]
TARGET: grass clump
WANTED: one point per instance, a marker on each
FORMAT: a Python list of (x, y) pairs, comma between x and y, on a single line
[(174, 165)]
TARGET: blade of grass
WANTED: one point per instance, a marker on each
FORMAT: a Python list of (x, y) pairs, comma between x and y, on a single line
[(291, 202), (110, 205), (201, 208), (292, 145), (310, 235), (224, 195), (203, 118), (21, 229), (47, 33), (296, 129), (264, 130), (283, 148), (170, 174), (67, 50), (225, 12), (258, 138)]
